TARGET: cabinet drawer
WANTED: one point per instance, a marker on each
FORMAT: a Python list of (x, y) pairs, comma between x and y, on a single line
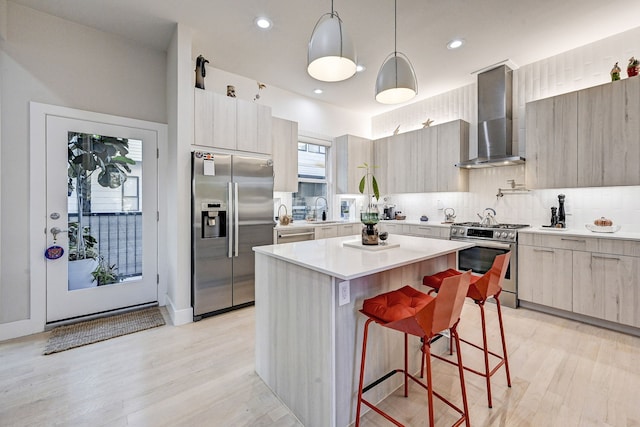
[(619, 247), (576, 243), (425, 231), (348, 229)]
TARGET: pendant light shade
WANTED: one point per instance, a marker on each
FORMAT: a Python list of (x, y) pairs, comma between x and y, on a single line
[(331, 55), (396, 80)]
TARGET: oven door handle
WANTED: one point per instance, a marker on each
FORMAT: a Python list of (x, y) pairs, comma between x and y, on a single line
[(487, 243)]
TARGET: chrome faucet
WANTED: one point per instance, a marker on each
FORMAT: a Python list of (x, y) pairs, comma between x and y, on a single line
[(315, 209)]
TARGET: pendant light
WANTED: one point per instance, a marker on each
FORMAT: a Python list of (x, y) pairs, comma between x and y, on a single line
[(331, 56), (396, 80)]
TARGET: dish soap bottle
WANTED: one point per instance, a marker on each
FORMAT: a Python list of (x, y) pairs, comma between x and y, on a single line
[(324, 215)]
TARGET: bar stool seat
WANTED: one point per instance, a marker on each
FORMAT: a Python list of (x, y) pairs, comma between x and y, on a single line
[(481, 288), (415, 313)]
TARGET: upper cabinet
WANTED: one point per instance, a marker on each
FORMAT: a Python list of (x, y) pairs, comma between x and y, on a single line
[(423, 160), (285, 155), (453, 147), (552, 142), (608, 134), (351, 152), (231, 123), (587, 138)]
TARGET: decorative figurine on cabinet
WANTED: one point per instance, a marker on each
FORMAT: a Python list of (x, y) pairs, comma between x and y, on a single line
[(615, 73), (200, 71), (231, 91), (633, 68)]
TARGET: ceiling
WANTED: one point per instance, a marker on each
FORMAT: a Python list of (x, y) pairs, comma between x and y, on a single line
[(523, 31)]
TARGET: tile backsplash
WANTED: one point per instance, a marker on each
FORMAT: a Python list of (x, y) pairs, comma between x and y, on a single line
[(582, 205)]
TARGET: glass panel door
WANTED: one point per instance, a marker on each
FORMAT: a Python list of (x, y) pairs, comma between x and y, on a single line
[(104, 186)]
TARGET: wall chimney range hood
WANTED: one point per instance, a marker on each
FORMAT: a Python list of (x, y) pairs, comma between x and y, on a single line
[(494, 120)]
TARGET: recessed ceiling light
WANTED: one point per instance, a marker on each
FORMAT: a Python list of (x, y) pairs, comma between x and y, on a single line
[(360, 68), (317, 91), (455, 43), (264, 23)]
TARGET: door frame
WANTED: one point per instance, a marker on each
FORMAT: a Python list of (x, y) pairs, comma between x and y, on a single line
[(38, 203)]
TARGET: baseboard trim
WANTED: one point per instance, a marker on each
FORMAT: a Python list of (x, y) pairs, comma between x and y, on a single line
[(179, 317), (20, 328)]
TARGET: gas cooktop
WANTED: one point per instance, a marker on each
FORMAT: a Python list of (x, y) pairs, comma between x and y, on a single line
[(500, 226)]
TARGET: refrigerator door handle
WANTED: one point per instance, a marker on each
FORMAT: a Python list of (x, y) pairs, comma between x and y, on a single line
[(232, 209), (235, 218)]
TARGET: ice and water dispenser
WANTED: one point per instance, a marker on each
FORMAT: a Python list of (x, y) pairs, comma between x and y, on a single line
[(214, 219)]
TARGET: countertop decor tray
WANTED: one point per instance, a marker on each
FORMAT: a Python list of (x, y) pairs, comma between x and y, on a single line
[(358, 245), (602, 228)]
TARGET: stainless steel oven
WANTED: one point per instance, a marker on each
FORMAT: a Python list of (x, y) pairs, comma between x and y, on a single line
[(490, 242)]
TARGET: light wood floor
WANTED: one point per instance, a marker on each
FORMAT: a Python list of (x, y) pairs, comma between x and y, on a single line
[(564, 373)]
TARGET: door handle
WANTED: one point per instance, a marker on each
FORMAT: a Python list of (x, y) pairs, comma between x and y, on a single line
[(55, 231), (232, 208), (235, 219)]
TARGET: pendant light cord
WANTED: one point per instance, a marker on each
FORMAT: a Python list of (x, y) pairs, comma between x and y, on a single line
[(395, 38)]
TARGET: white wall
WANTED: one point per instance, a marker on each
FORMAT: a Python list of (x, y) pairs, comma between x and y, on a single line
[(175, 250), (577, 69), (49, 60)]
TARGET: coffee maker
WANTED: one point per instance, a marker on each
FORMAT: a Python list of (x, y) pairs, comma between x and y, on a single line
[(389, 212)]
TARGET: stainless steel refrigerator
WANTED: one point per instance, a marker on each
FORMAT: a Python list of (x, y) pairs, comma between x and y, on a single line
[(232, 211)]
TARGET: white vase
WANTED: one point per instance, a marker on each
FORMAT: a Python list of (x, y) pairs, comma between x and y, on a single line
[(80, 273)]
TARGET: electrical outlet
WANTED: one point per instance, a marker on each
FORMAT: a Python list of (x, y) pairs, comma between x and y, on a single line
[(343, 293)]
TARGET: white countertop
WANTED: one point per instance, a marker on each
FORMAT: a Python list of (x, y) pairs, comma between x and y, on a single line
[(582, 232), (329, 256), (307, 224), (416, 222)]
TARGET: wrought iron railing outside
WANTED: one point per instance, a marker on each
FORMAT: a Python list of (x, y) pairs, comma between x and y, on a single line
[(119, 236)]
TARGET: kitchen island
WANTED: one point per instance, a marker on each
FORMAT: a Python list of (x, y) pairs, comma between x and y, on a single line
[(309, 329)]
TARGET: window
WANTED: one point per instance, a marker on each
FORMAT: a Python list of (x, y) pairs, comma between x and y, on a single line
[(312, 182)]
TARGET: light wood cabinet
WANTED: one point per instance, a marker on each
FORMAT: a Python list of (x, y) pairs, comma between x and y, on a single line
[(606, 286), (552, 142), (608, 132), (380, 159), (326, 231), (423, 160), (453, 147), (429, 231), (545, 276), (349, 229), (587, 138), (351, 152), (230, 123), (285, 155), (596, 277)]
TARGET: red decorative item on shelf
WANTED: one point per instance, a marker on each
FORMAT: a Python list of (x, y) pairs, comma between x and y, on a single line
[(633, 68)]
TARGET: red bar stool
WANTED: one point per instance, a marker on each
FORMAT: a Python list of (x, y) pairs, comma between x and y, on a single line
[(480, 290), (412, 312)]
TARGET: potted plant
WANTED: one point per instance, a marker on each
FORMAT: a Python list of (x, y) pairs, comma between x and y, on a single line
[(105, 274), (87, 154), (369, 215), (83, 261), (633, 67)]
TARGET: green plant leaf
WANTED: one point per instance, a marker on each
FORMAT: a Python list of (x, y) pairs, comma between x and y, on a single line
[(362, 183), (374, 184)]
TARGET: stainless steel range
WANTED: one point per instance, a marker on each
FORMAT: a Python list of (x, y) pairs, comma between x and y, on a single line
[(491, 240)]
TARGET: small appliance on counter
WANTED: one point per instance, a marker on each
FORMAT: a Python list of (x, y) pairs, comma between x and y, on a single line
[(389, 212)]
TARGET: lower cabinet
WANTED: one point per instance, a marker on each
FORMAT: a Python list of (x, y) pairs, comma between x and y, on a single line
[(326, 231), (606, 286), (591, 282), (349, 229), (545, 276), (415, 230)]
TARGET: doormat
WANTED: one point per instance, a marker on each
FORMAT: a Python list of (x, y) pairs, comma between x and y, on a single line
[(71, 336)]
